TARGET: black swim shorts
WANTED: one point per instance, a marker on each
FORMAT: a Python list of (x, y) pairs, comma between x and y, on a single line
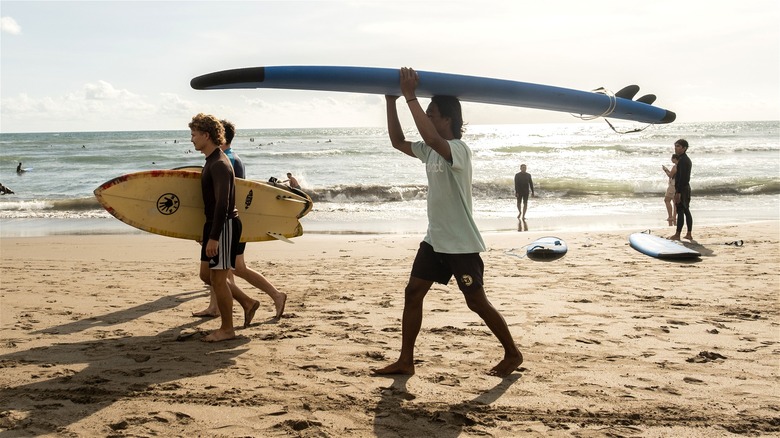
[(430, 265), (228, 245)]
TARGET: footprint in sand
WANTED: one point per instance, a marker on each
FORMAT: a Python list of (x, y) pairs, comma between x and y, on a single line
[(693, 381), (445, 379), (706, 356)]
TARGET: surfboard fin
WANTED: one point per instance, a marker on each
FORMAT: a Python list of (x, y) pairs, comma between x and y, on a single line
[(647, 98), (290, 198), (278, 236), (628, 92)]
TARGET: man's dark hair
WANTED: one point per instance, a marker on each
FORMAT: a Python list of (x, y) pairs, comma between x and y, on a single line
[(230, 131), (449, 106)]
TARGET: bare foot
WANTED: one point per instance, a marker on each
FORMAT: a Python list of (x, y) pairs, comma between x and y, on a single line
[(208, 313), (280, 305), (674, 237), (395, 368), (250, 314), (688, 236), (506, 366), (219, 335)]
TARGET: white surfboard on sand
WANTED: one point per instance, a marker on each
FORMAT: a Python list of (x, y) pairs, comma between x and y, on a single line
[(661, 248)]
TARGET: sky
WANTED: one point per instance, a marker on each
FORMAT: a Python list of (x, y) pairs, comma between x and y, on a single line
[(126, 66)]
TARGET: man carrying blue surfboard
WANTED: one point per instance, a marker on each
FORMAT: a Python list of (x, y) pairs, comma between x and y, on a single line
[(222, 230), (452, 244)]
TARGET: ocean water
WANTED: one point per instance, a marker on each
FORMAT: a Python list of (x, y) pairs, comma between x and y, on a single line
[(586, 176)]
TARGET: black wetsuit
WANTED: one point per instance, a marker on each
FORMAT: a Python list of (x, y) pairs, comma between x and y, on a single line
[(682, 186), (218, 177), (522, 182)]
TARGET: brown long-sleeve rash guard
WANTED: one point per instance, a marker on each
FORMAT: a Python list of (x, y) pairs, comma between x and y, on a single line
[(219, 192)]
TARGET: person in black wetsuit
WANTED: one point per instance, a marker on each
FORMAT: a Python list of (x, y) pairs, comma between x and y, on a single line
[(222, 230), (253, 277), (523, 182), (682, 188)]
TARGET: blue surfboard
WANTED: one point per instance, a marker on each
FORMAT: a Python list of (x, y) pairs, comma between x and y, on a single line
[(385, 81)]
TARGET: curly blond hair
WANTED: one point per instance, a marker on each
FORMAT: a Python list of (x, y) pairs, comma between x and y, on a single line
[(211, 126)]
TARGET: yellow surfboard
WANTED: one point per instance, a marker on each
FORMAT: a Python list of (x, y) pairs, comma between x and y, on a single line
[(170, 203)]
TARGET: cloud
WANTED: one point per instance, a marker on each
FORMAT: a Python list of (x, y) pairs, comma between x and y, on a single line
[(95, 106), (173, 103), (102, 90), (10, 26)]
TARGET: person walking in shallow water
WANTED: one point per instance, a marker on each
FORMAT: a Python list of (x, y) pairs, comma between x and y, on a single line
[(682, 187), (452, 244), (524, 186)]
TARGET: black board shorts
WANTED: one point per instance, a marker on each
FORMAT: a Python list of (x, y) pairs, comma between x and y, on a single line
[(228, 245), (468, 269), (523, 196)]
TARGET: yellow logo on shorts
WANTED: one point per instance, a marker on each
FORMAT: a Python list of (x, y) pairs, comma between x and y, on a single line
[(467, 280)]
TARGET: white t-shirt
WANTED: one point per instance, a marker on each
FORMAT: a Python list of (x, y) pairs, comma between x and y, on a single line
[(451, 227)]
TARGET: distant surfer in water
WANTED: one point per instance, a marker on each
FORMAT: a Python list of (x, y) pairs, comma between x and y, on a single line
[(522, 183), (253, 277), (19, 168), (222, 230), (293, 183), (682, 188), (453, 243)]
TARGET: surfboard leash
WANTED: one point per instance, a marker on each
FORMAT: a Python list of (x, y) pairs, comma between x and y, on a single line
[(627, 132), (509, 252), (609, 110), (612, 105)]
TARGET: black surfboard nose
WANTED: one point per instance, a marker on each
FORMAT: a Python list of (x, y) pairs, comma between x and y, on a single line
[(226, 78)]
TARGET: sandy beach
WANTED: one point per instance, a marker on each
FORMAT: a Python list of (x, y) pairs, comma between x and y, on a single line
[(98, 340)]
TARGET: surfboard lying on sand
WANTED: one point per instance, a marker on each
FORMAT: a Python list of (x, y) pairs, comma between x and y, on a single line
[(547, 248), (170, 203), (385, 81), (661, 248)]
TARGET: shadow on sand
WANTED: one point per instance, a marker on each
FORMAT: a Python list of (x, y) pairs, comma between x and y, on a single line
[(76, 380), (397, 415)]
